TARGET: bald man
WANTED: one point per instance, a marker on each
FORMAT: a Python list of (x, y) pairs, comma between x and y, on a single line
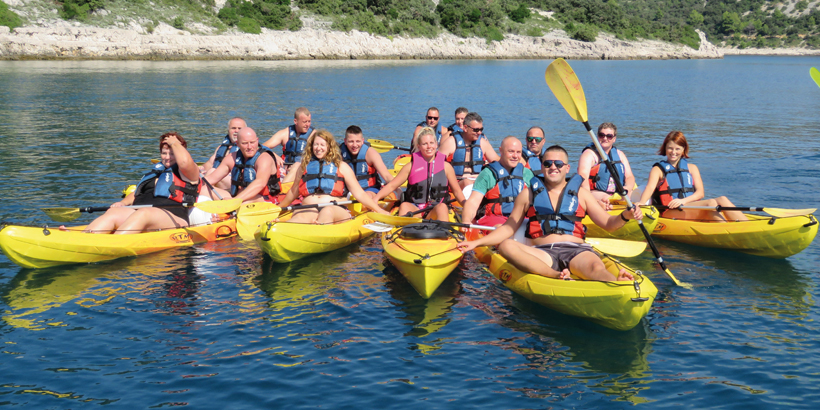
[(497, 186)]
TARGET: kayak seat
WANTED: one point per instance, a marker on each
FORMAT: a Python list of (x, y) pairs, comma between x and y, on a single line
[(424, 230)]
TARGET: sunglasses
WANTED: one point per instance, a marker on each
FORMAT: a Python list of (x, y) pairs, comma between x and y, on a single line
[(535, 139), (601, 135), (431, 118), (558, 163), (477, 130)]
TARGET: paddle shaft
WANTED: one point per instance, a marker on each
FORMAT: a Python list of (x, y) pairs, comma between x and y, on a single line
[(629, 205)]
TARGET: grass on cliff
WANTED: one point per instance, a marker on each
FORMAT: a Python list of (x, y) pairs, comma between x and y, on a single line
[(9, 18)]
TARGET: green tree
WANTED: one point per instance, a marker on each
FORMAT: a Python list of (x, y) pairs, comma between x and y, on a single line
[(9, 18), (695, 19)]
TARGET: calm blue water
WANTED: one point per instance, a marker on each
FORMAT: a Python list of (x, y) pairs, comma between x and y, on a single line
[(221, 326)]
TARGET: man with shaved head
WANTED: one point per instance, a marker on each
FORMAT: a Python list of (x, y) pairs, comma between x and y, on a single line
[(254, 175), (497, 186)]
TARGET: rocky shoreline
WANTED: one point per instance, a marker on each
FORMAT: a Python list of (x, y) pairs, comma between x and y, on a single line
[(71, 41)]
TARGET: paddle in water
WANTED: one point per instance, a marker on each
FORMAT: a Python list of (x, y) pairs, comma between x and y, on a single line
[(815, 75), (568, 90)]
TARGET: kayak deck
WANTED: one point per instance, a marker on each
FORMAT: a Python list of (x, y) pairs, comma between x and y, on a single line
[(287, 241), (767, 236), (43, 247), (424, 262)]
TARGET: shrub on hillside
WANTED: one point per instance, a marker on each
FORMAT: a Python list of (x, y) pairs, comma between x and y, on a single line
[(9, 18), (272, 14), (79, 9)]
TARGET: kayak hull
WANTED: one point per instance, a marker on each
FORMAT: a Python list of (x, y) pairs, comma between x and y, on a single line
[(38, 247), (425, 263), (618, 305), (286, 241), (630, 231), (762, 235)]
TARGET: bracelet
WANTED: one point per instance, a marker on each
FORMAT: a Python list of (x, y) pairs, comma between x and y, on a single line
[(622, 217)]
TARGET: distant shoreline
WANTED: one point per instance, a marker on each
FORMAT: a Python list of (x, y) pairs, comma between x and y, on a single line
[(73, 41)]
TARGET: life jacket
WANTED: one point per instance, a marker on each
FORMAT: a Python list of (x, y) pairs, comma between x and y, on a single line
[(244, 172), (677, 182), (365, 173), (599, 177), (454, 128), (322, 177), (225, 148), (295, 147), (534, 160), (457, 158), (437, 129), (545, 220), (501, 198), (169, 184), (427, 182)]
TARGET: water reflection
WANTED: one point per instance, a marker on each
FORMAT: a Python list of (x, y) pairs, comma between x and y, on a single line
[(614, 363)]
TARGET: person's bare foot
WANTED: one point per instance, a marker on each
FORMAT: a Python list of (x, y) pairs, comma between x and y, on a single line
[(624, 275)]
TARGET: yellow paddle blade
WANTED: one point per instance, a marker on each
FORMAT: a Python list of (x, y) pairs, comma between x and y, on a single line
[(393, 219), (815, 75), (380, 146), (220, 207), (62, 214), (567, 89), (617, 247), (259, 209), (787, 213)]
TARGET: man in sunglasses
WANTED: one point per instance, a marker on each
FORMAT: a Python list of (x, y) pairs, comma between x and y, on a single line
[(595, 171), (531, 156), (558, 247), (432, 121), (469, 150), (497, 186)]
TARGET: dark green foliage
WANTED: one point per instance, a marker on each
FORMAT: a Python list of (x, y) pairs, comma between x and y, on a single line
[(9, 18), (79, 9), (249, 25), (520, 14), (272, 14), (178, 23)]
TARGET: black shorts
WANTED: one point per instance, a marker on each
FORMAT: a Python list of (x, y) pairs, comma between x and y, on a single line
[(563, 252)]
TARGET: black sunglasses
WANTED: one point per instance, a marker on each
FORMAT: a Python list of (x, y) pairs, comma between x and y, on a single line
[(431, 118), (558, 163)]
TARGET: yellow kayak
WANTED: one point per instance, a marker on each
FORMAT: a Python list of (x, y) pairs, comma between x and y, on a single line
[(252, 216), (43, 247), (617, 305), (425, 253), (286, 242), (767, 236), (630, 230)]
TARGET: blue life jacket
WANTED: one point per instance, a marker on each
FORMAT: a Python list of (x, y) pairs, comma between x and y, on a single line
[(534, 160), (454, 128), (545, 220), (677, 182), (225, 148), (169, 184), (599, 176), (500, 200), (366, 174), (322, 177), (295, 147), (437, 130), (457, 158), (244, 172)]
